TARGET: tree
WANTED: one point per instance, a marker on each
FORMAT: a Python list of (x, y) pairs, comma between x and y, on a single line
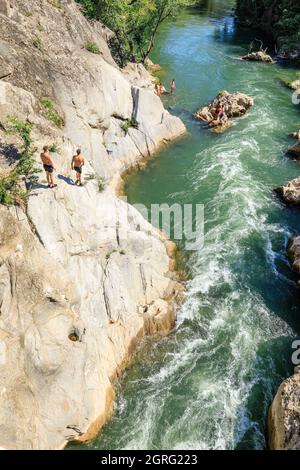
[(134, 22)]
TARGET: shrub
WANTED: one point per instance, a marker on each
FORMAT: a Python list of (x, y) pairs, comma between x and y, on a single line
[(38, 43), (51, 114), (11, 189), (101, 184), (126, 125), (92, 47), (53, 148)]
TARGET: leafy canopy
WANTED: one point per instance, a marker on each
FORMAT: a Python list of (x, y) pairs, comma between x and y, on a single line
[(134, 22)]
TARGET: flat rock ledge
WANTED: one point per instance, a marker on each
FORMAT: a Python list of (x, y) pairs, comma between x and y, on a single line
[(259, 56), (235, 104), (284, 416), (290, 192)]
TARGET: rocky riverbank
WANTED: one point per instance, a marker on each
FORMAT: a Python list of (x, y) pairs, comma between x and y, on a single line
[(284, 413), (82, 275)]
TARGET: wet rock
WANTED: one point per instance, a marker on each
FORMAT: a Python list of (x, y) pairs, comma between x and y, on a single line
[(295, 135), (259, 56), (284, 416), (235, 105), (294, 254), (295, 85), (294, 151), (290, 192)]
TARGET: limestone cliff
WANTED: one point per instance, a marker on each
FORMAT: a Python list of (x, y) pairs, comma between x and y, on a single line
[(82, 275)]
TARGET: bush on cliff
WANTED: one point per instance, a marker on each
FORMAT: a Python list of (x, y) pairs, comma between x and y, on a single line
[(12, 191)]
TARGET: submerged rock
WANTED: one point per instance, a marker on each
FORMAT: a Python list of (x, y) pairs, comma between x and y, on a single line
[(235, 105), (259, 56), (290, 192)]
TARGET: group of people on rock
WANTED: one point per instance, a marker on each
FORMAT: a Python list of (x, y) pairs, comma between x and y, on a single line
[(76, 165), (161, 90)]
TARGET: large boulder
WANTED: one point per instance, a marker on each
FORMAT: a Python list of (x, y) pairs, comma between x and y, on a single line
[(235, 104), (259, 56), (290, 192), (294, 151), (294, 254), (284, 416), (295, 85)]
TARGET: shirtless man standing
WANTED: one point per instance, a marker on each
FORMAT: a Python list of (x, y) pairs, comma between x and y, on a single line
[(48, 166), (77, 164)]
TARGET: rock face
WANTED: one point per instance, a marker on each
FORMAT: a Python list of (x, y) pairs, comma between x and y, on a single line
[(290, 192), (284, 413), (295, 135), (295, 85), (294, 151), (235, 104), (284, 416), (294, 254), (85, 276), (259, 56)]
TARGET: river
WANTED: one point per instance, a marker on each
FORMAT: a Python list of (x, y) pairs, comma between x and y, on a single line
[(209, 384)]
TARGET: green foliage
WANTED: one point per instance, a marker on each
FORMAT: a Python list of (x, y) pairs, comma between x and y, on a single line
[(11, 189), (100, 181), (279, 18), (51, 114), (37, 42), (126, 125), (134, 22), (56, 3), (92, 47), (101, 184), (53, 148)]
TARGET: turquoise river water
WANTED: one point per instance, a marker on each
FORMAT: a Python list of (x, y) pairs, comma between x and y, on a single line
[(209, 384)]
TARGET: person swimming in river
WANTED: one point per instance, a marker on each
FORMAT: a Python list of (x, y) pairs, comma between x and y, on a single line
[(48, 166), (77, 164)]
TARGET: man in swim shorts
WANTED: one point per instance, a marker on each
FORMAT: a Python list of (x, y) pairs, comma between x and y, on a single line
[(48, 166), (77, 164)]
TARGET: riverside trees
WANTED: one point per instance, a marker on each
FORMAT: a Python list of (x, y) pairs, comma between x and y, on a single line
[(279, 18), (134, 22)]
